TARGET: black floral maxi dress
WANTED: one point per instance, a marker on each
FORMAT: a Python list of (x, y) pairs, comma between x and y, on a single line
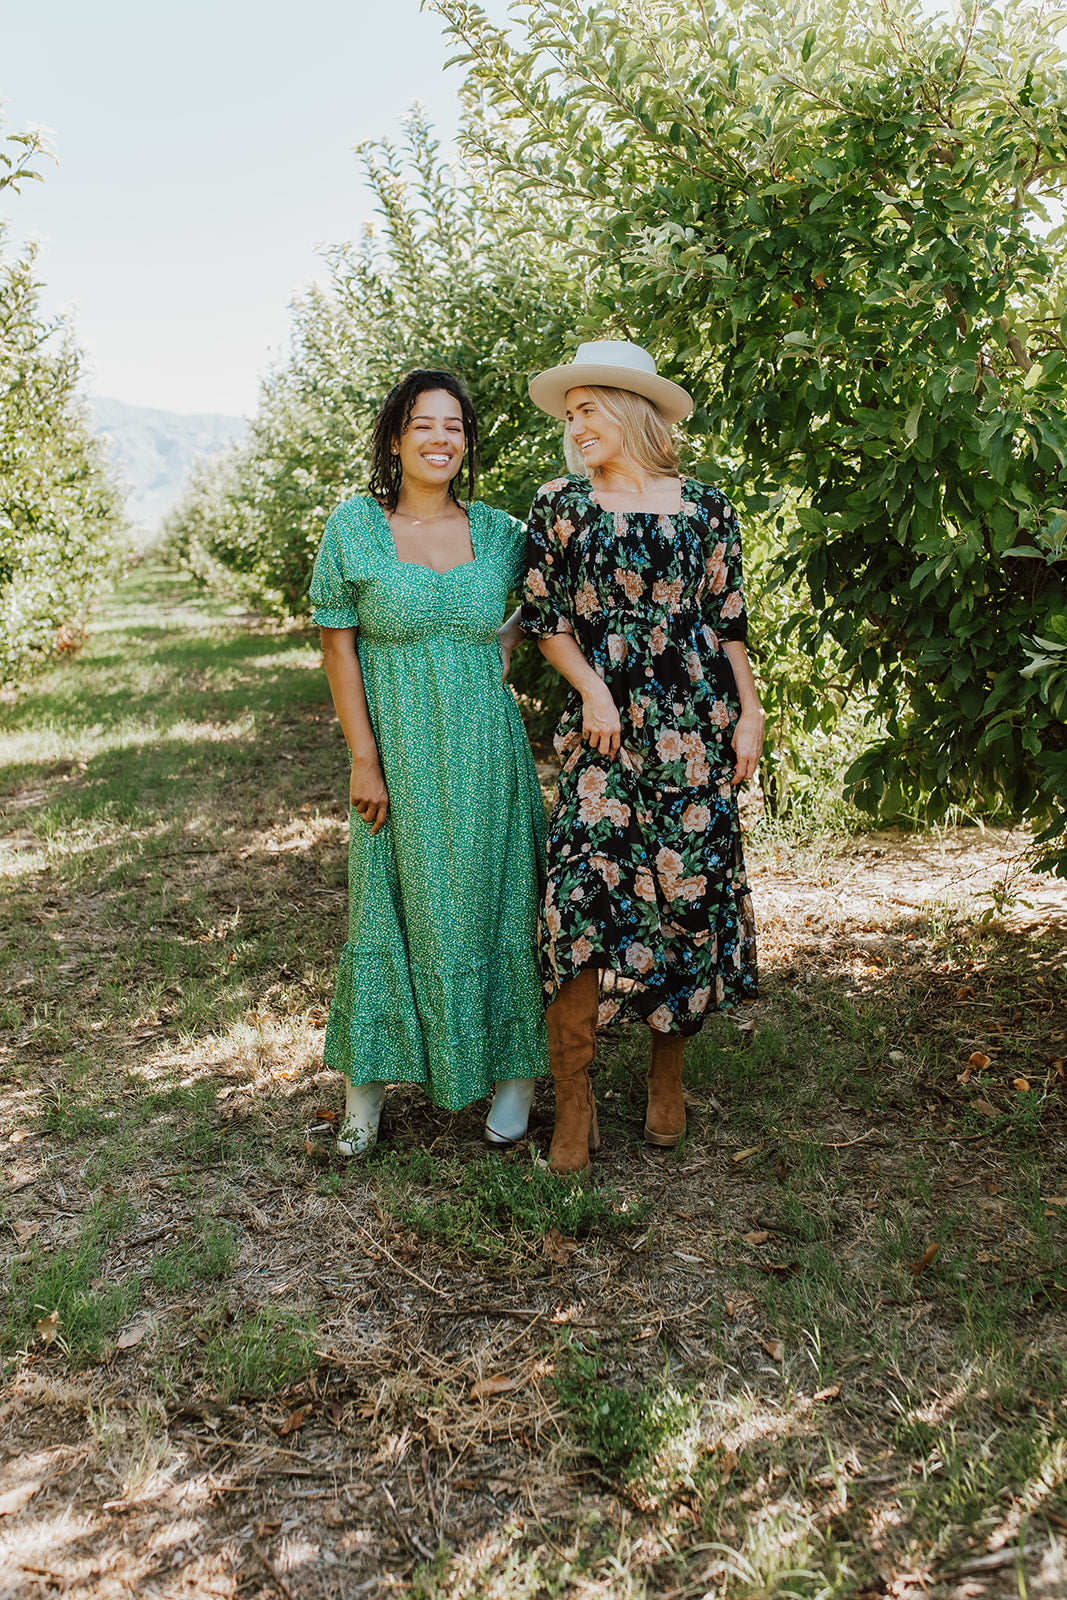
[(646, 878)]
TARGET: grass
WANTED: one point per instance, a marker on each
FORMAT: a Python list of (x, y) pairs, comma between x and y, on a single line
[(63, 1285), (737, 1369)]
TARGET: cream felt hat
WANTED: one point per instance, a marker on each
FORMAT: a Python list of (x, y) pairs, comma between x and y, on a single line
[(612, 364)]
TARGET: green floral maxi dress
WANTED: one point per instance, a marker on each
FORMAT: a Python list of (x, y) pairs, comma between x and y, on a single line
[(438, 983), (646, 877)]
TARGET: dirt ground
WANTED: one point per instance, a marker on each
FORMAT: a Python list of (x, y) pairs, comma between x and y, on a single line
[(430, 1419)]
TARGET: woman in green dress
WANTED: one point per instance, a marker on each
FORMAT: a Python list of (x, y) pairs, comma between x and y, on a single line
[(438, 983)]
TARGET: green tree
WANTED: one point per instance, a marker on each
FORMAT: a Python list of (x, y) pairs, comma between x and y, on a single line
[(836, 221), (60, 508)]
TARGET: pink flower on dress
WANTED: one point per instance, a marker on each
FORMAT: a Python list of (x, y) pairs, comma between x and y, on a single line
[(609, 870), (618, 813), (661, 1019), (553, 486), (535, 584), (697, 771), (586, 601), (617, 647), (666, 593), (576, 894), (605, 1012), (719, 715), (581, 950), (692, 888), (669, 863), (733, 605), (553, 921), (592, 783), (644, 888), (637, 714), (640, 957), (563, 530), (688, 508), (696, 818), (669, 745), (592, 811), (629, 582), (696, 671), (698, 1000), (715, 566), (658, 640)]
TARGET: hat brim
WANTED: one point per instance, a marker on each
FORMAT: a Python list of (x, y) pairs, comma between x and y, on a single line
[(548, 390)]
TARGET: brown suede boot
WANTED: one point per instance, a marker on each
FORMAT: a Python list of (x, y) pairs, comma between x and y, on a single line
[(665, 1117), (571, 1022)]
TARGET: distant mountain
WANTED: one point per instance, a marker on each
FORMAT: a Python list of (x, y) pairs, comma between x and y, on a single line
[(154, 451)]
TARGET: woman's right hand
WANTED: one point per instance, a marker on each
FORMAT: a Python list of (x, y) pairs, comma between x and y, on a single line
[(368, 794), (600, 721)]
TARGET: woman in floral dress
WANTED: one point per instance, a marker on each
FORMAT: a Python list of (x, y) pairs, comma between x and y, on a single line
[(634, 593)]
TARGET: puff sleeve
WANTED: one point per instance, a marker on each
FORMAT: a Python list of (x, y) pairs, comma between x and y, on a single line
[(333, 589), (546, 601)]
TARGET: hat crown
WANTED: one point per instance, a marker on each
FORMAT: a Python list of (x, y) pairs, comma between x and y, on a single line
[(616, 353)]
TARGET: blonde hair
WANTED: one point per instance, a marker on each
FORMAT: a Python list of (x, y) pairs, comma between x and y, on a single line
[(646, 434)]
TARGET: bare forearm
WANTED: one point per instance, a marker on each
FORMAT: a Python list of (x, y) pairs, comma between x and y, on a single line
[(748, 732), (562, 652), (510, 631), (345, 677), (600, 716), (737, 656)]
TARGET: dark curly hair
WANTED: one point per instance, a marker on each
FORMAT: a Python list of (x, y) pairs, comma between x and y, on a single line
[(385, 470)]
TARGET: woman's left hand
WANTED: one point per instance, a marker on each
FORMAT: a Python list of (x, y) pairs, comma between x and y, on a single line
[(748, 744)]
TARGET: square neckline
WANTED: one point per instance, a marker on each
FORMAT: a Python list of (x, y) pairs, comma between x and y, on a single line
[(421, 566), (684, 481)]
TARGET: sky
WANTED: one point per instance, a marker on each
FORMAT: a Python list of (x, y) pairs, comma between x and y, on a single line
[(204, 154)]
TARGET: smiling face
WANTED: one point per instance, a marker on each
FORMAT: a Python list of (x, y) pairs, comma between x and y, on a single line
[(431, 447), (595, 435)]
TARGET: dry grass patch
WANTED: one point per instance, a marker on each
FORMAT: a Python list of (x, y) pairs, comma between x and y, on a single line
[(817, 1351)]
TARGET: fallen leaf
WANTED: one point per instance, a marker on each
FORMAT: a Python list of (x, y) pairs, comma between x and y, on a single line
[(986, 1109), (129, 1337), (743, 1155), (294, 1420), (500, 1383), (978, 1061), (323, 1114), (1021, 1085), (774, 1348), (965, 1075), (819, 279), (1056, 1200), (18, 1136), (756, 1238), (727, 1463), (828, 1394), (1056, 1067), (557, 1247), (46, 1328), (779, 1269), (337, 1412), (24, 1230), (316, 1151), (925, 1259), (15, 1499), (965, 993)]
